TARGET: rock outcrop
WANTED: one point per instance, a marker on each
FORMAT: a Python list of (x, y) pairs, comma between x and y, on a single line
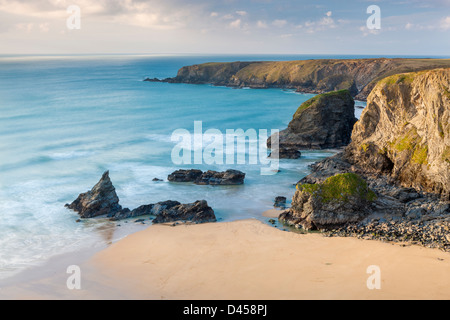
[(325, 121), (198, 212), (405, 131), (286, 153), (101, 200), (341, 199), (229, 177), (359, 76), (280, 202), (400, 148)]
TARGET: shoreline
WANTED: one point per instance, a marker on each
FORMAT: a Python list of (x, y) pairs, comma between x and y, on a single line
[(244, 259)]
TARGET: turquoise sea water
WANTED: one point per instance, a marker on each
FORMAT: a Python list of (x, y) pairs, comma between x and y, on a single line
[(65, 120)]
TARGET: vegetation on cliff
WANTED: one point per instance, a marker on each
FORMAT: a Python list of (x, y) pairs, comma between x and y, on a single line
[(340, 187), (359, 76), (404, 131)]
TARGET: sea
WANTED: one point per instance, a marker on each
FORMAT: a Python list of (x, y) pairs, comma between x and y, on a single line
[(64, 120)]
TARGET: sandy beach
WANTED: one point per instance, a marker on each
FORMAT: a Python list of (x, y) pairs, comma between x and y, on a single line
[(245, 260)]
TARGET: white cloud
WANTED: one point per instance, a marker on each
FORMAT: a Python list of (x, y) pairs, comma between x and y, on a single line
[(409, 26), (228, 17), (214, 14), (279, 23), (241, 13), (262, 24), (325, 23), (445, 23), (329, 13), (236, 24), (147, 14)]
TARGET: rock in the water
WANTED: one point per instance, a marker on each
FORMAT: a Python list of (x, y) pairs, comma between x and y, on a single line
[(404, 132), (157, 180), (185, 175), (280, 202), (145, 210), (286, 153), (101, 200), (325, 121), (339, 200), (229, 177), (198, 212)]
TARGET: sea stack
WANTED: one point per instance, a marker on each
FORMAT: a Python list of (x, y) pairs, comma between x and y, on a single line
[(325, 121), (101, 200)]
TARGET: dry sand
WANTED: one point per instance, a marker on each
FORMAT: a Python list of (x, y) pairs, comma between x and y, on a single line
[(248, 260)]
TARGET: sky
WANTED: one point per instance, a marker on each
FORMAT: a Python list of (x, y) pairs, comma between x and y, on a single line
[(225, 27)]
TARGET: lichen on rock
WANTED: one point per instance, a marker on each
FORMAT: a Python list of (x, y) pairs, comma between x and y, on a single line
[(341, 199)]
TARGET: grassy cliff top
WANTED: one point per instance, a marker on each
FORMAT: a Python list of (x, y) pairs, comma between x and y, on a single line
[(344, 94), (318, 76)]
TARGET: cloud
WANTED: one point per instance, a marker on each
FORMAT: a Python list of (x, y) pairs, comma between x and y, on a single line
[(214, 14), (168, 14), (329, 14), (236, 24), (262, 24), (323, 24), (445, 23), (279, 23), (241, 13)]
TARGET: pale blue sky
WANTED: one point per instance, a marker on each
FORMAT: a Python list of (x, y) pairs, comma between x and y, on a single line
[(225, 27)]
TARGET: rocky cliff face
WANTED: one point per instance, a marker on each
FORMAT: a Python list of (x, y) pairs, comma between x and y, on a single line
[(405, 131), (325, 121), (359, 76)]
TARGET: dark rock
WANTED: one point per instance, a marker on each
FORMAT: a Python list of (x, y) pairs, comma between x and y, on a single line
[(198, 212), (157, 180), (153, 80), (101, 200), (325, 121), (287, 153), (229, 177), (185, 175), (280, 202), (161, 207)]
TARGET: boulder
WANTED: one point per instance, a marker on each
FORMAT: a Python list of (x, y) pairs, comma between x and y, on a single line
[(339, 200), (229, 177), (198, 212), (101, 200), (185, 175), (287, 153), (280, 202), (325, 121)]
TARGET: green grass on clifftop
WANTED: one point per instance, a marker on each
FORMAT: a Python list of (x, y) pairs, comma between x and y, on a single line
[(307, 104), (340, 188)]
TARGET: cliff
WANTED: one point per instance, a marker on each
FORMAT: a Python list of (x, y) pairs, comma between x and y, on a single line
[(405, 131), (325, 121), (359, 76)]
